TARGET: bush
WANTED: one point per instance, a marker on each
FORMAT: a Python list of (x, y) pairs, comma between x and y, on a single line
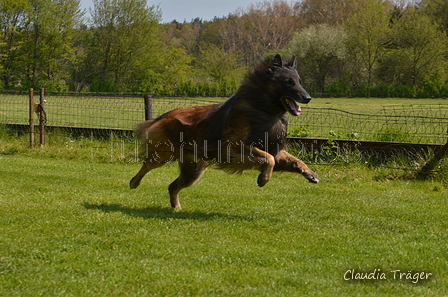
[(223, 88), (339, 89), (392, 135)]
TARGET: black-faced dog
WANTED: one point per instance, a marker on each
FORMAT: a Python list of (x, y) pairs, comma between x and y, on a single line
[(247, 131)]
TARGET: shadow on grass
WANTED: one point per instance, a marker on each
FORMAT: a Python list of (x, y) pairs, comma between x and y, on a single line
[(162, 213)]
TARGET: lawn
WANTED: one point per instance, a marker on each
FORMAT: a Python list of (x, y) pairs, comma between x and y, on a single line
[(74, 228)]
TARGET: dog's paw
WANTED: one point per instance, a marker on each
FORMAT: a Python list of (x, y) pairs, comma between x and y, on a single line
[(311, 176), (133, 184), (262, 180)]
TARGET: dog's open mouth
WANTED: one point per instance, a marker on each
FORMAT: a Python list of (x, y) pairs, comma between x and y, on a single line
[(291, 106)]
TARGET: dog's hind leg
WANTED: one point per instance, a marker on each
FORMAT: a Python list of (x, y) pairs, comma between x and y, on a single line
[(190, 172), (156, 157), (146, 167)]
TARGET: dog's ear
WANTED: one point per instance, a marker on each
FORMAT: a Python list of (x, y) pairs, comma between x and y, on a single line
[(293, 63), (277, 62)]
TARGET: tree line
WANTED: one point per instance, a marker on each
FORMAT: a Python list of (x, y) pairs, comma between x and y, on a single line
[(343, 47)]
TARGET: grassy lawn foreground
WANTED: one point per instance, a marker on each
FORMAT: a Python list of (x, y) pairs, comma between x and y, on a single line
[(73, 228)]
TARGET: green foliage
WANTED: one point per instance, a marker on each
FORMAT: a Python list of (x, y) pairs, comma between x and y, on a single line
[(339, 89), (367, 33), (38, 41), (299, 132), (392, 135), (438, 10), (218, 73), (217, 64), (419, 48), (348, 48), (223, 88), (167, 74), (123, 32), (320, 51)]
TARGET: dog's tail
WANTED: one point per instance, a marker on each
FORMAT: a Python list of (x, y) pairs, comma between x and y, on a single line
[(142, 128)]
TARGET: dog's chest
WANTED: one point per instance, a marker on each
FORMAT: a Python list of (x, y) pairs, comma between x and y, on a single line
[(267, 135)]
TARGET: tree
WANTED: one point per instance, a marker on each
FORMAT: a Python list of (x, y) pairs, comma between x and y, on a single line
[(263, 27), (217, 64), (13, 19), (330, 12), (126, 41), (82, 66), (48, 44), (210, 33), (183, 35), (367, 36), (170, 69), (438, 9), (320, 51), (38, 41), (419, 50)]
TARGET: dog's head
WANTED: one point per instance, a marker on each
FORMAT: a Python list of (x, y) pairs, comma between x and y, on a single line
[(286, 85)]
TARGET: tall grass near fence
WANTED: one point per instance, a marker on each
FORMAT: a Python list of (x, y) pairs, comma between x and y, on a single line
[(116, 149), (112, 149)]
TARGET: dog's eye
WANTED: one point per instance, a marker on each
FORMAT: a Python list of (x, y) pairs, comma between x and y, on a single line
[(290, 82)]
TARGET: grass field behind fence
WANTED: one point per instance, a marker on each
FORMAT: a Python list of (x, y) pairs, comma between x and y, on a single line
[(378, 119), (74, 228), (392, 119)]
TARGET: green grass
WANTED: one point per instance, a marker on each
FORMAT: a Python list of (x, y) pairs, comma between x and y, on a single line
[(72, 227), (371, 105)]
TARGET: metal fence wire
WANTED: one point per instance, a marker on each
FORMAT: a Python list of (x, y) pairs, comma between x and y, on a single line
[(398, 123), (67, 115)]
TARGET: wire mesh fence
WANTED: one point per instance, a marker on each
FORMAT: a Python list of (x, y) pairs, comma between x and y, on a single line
[(14, 109), (112, 118), (416, 124), (103, 112)]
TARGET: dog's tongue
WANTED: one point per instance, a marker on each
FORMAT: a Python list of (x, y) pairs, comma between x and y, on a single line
[(295, 108)]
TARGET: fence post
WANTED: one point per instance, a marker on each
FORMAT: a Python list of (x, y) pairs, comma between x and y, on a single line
[(148, 107), (32, 106), (426, 170), (42, 118)]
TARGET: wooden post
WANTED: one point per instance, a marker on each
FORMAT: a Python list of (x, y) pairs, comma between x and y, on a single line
[(31, 117), (42, 118), (148, 107), (426, 170)]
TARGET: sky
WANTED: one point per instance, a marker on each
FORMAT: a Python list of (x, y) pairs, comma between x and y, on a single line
[(187, 10)]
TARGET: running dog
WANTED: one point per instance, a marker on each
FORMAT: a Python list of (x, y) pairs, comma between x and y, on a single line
[(247, 131)]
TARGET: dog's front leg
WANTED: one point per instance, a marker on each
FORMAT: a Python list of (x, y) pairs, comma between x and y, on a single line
[(261, 160), (287, 162)]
